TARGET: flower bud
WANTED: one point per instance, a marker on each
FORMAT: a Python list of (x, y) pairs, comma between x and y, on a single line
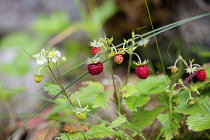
[(38, 78), (191, 101)]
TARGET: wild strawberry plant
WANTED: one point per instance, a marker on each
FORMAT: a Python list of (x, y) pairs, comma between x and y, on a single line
[(85, 114)]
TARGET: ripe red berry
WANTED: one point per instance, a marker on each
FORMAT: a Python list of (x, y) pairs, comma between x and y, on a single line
[(201, 75), (142, 71), (95, 50), (118, 58), (95, 69)]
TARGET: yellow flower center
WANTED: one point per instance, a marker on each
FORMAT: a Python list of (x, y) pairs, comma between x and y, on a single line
[(53, 54)]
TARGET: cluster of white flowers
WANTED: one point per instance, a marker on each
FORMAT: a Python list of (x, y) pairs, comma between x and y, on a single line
[(45, 56)]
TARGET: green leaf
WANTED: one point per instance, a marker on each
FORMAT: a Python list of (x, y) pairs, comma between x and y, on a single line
[(119, 121), (88, 93), (101, 100), (134, 101), (201, 107), (199, 112), (181, 97), (163, 98), (143, 118), (67, 136), (99, 131), (128, 90), (170, 125), (52, 88), (198, 122), (152, 85)]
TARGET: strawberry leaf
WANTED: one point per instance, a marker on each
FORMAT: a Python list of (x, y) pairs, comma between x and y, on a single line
[(101, 100), (147, 117), (135, 101), (52, 88), (128, 90), (99, 131), (152, 85), (119, 121), (199, 112), (170, 124)]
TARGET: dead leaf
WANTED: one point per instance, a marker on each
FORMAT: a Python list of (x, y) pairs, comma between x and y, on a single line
[(46, 133), (75, 127)]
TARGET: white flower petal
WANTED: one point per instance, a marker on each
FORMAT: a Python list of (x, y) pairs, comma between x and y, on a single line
[(58, 54), (54, 59)]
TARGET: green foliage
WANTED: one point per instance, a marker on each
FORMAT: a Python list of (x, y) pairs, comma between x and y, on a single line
[(128, 91), (135, 101), (143, 118), (101, 100), (199, 114), (152, 85), (52, 24), (52, 88), (170, 124)]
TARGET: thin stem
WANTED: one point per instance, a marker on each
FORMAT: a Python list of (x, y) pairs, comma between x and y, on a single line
[(61, 86), (158, 49), (40, 69), (138, 57)]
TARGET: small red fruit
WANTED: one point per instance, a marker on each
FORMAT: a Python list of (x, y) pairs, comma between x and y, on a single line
[(95, 69), (142, 71), (95, 50), (118, 58), (201, 75)]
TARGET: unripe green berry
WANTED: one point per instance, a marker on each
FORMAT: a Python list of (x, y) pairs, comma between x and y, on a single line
[(38, 78)]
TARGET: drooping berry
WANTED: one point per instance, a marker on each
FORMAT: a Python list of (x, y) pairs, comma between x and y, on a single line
[(118, 58), (174, 69), (142, 71), (81, 115), (95, 50), (201, 75), (95, 69)]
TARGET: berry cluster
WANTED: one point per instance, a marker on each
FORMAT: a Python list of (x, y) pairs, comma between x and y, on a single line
[(95, 67)]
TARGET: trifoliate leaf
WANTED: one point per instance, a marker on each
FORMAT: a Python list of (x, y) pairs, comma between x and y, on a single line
[(170, 124), (143, 118), (101, 100), (119, 121), (134, 101), (128, 90), (152, 85), (52, 88)]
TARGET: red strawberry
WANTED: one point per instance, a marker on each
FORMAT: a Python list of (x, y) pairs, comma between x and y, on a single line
[(142, 71), (95, 50), (201, 75), (118, 58), (95, 69)]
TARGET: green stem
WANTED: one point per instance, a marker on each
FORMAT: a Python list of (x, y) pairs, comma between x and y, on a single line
[(61, 86), (129, 67)]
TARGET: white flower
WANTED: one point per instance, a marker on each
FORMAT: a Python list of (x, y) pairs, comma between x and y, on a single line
[(144, 42), (54, 55), (40, 58), (96, 44)]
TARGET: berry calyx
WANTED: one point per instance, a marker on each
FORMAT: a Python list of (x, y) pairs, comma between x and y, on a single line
[(95, 50), (201, 75), (142, 71), (118, 58)]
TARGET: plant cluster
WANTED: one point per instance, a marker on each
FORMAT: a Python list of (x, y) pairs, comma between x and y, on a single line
[(182, 102)]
